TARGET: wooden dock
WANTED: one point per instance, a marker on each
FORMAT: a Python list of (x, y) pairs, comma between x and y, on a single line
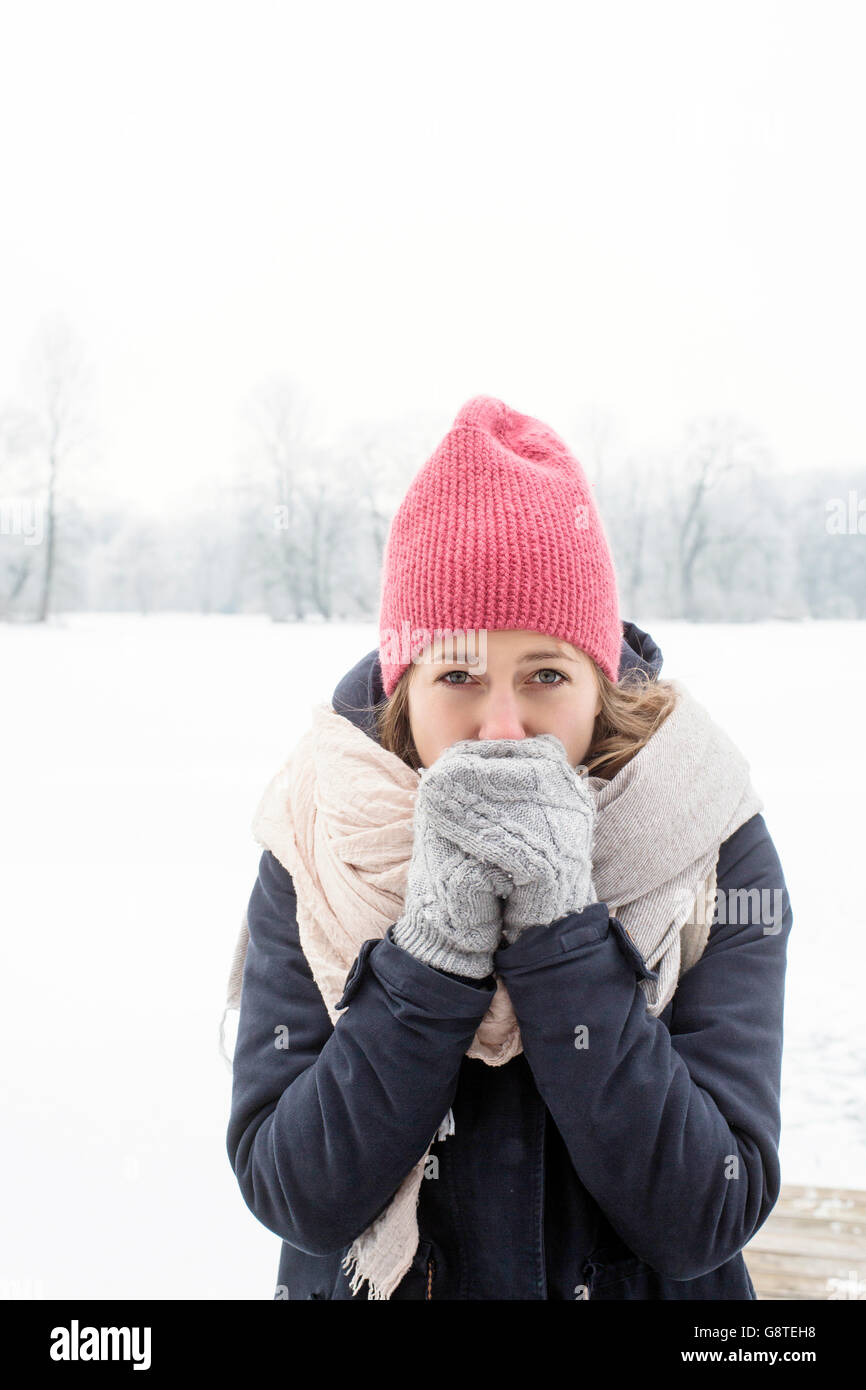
[(812, 1245)]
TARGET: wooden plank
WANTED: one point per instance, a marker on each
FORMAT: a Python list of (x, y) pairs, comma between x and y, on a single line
[(795, 1236), (833, 1203), (804, 1281), (821, 1265), (812, 1246)]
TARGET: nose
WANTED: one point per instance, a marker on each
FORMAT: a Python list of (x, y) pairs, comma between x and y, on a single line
[(501, 717)]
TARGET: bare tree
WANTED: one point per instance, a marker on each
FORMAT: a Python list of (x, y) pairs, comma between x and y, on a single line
[(625, 489), (377, 480), (638, 501), (324, 530), (719, 450), (376, 461), (62, 380), (278, 416), (17, 439)]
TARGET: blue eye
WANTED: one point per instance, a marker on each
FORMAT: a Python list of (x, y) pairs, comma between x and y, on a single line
[(544, 670), (445, 681)]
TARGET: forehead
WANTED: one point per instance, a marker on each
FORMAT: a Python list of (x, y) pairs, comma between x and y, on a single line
[(501, 644)]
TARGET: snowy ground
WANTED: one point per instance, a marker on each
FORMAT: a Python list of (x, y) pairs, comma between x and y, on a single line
[(135, 753)]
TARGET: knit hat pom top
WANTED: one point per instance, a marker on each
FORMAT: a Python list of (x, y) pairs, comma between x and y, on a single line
[(498, 529)]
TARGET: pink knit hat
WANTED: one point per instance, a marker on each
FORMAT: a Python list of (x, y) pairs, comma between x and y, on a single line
[(498, 530)]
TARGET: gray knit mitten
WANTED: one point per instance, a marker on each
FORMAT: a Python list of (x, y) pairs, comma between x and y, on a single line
[(452, 910), (533, 816)]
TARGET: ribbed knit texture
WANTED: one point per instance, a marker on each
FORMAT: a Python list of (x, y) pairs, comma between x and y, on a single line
[(498, 529)]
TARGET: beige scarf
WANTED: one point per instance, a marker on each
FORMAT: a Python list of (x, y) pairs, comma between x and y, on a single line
[(338, 817)]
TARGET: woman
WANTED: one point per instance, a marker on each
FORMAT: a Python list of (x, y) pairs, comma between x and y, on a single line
[(553, 1069)]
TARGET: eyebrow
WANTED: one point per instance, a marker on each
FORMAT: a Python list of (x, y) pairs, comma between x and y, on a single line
[(545, 654)]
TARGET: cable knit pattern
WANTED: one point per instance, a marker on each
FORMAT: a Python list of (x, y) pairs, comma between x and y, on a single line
[(452, 914), (498, 529), (517, 805)]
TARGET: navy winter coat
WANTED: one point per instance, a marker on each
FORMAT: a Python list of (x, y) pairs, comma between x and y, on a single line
[(634, 1168)]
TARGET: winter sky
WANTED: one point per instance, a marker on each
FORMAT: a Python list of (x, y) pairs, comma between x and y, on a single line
[(642, 210)]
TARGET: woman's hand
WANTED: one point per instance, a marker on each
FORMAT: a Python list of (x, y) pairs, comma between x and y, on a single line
[(519, 805), (452, 912)]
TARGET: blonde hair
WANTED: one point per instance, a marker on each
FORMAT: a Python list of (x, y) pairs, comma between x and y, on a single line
[(630, 713)]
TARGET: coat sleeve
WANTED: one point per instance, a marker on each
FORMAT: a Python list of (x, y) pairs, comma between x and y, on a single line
[(326, 1122), (673, 1127)]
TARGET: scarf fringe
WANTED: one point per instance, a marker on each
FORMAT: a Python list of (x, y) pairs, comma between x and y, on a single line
[(358, 1277)]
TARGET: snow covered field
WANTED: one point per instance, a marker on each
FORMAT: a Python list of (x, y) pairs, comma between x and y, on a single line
[(135, 752)]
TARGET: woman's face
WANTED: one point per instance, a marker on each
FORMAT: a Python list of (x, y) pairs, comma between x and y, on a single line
[(531, 684)]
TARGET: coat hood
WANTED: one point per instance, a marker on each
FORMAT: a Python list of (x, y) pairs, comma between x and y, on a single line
[(360, 690)]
